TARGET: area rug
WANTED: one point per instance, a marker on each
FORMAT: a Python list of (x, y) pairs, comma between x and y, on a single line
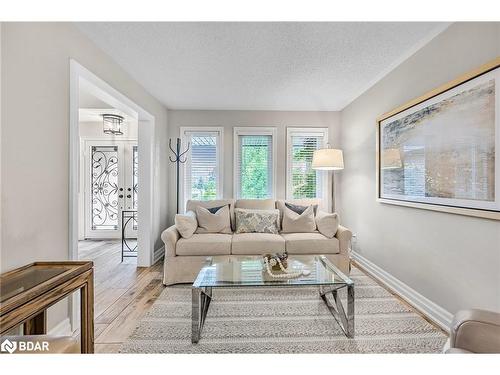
[(284, 320)]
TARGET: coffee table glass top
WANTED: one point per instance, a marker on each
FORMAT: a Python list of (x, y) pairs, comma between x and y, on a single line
[(250, 271)]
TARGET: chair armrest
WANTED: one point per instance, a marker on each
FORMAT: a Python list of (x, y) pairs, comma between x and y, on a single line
[(477, 331), (344, 236), (170, 236)]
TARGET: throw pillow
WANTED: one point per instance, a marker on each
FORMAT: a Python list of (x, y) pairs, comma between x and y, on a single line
[(186, 224), (300, 209), (257, 221), (208, 222), (214, 210), (327, 223), (295, 223)]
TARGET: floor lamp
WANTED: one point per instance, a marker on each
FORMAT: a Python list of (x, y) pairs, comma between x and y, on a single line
[(328, 159)]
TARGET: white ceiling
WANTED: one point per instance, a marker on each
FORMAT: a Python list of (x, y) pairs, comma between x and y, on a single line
[(259, 66)]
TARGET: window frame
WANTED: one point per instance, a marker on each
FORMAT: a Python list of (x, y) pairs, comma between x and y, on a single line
[(253, 130), (313, 131), (184, 167)]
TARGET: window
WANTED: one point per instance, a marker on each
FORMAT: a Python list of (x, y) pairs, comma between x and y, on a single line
[(202, 177), (302, 180), (254, 164)]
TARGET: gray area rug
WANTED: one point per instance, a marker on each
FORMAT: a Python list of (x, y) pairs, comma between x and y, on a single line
[(284, 320)]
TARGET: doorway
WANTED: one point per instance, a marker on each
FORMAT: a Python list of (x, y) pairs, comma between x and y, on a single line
[(101, 165)]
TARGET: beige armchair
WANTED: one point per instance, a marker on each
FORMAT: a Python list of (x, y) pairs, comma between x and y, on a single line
[(475, 331)]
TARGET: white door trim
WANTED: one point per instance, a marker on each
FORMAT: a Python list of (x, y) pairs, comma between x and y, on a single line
[(82, 77)]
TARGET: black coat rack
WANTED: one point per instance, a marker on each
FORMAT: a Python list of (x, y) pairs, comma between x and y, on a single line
[(177, 159)]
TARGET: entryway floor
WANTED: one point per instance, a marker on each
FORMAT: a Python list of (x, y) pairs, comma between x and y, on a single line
[(123, 292)]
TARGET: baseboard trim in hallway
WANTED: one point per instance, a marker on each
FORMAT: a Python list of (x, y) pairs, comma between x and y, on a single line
[(430, 309)]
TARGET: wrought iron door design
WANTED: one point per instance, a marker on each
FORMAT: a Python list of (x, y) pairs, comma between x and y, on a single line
[(111, 180), (104, 187)]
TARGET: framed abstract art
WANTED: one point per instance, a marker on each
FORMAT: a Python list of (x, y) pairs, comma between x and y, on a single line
[(441, 151)]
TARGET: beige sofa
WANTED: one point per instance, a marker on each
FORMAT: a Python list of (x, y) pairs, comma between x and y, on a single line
[(184, 257)]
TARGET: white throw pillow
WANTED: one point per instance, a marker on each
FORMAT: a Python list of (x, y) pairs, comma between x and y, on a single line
[(186, 224), (327, 223), (218, 222), (295, 223)]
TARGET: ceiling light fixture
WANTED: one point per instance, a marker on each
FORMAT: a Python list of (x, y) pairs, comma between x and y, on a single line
[(112, 124)]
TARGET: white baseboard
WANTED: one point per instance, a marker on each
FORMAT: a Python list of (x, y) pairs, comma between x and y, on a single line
[(430, 309), (61, 329), (159, 253)]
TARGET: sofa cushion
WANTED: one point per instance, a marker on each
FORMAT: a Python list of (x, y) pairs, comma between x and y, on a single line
[(255, 204), (310, 243), (218, 222), (204, 244), (256, 221), (192, 204), (257, 243)]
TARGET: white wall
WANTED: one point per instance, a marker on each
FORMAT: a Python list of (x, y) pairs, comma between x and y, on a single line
[(453, 260), (230, 119), (35, 140), (94, 129)]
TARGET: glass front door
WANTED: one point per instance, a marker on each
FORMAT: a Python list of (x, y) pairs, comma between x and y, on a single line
[(110, 187)]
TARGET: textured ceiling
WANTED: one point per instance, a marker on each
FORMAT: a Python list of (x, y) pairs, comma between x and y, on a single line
[(258, 66)]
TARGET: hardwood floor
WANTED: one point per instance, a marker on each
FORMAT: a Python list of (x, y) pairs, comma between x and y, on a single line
[(123, 292)]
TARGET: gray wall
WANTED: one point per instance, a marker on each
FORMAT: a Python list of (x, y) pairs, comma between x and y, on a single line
[(453, 260), (35, 137), (229, 119)]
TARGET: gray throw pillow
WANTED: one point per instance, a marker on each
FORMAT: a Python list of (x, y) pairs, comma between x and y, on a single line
[(214, 210), (300, 209), (257, 221)]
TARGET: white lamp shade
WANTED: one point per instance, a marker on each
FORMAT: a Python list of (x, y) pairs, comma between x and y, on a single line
[(328, 159)]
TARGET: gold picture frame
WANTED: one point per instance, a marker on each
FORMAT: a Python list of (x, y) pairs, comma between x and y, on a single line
[(391, 159)]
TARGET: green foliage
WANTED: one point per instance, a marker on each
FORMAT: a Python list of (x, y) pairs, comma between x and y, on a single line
[(204, 189), (254, 171)]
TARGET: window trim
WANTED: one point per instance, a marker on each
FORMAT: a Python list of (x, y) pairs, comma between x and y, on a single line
[(220, 161), (253, 130), (290, 131)]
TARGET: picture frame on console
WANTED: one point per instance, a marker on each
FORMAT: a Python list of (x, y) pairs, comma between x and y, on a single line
[(441, 151)]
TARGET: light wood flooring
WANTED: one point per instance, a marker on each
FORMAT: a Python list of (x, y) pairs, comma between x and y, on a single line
[(123, 292)]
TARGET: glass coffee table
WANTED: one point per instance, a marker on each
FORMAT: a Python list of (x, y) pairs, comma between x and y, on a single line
[(249, 272)]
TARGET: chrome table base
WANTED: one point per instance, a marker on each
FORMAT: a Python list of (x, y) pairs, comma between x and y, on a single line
[(201, 298), (345, 321)]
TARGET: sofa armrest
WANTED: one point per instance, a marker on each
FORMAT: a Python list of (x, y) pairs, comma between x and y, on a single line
[(344, 236), (170, 236), (476, 331)]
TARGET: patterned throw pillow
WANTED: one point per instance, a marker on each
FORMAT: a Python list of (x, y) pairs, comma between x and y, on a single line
[(257, 221)]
